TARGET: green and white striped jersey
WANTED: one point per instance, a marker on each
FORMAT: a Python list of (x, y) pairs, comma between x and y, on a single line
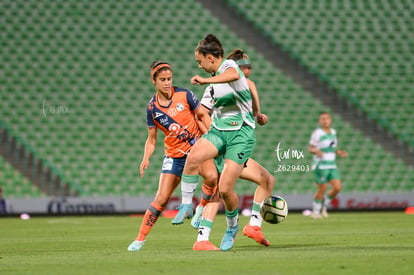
[(327, 143), (232, 101)]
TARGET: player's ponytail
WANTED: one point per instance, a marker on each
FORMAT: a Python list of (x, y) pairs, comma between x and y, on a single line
[(210, 45), (241, 58)]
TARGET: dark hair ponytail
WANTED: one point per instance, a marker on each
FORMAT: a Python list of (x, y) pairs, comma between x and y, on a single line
[(237, 54), (241, 58), (210, 45)]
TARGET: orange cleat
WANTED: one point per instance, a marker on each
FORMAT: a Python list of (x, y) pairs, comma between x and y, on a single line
[(255, 233), (204, 245)]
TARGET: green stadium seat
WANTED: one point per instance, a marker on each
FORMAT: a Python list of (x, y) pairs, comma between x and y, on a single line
[(90, 61)]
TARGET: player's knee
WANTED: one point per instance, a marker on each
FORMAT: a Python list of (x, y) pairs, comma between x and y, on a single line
[(193, 162), (224, 192), (336, 186), (210, 178), (224, 195)]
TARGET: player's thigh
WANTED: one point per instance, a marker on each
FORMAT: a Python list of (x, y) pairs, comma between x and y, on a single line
[(202, 150), (336, 184), (256, 173), (231, 172)]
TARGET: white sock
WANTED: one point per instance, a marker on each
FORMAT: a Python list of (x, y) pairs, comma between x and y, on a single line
[(187, 192), (204, 230), (317, 205), (255, 218), (326, 201), (232, 217)]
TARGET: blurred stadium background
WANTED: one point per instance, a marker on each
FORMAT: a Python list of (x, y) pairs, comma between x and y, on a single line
[(74, 84)]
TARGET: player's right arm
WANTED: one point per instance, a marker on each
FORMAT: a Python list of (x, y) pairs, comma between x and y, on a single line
[(229, 75), (149, 148), (314, 150), (203, 118)]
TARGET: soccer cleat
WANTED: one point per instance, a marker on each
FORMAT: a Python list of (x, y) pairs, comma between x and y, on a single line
[(228, 239), (255, 233), (185, 211), (324, 212), (136, 245), (204, 245), (195, 221)]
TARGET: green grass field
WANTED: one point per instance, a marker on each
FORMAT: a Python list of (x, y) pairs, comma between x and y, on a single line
[(346, 243)]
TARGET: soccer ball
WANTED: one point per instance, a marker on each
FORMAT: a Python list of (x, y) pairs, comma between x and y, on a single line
[(274, 209)]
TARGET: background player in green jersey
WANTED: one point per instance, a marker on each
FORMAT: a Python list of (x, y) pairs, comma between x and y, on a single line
[(323, 146)]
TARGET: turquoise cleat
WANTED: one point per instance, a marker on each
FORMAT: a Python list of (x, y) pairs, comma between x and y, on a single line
[(136, 245), (185, 211), (195, 221), (228, 239)]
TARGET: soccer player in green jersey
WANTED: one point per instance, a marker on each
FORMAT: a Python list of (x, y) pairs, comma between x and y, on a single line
[(203, 218), (323, 146), (232, 131)]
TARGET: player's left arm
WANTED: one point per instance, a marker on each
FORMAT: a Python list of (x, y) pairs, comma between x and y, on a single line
[(260, 118), (341, 153), (255, 97)]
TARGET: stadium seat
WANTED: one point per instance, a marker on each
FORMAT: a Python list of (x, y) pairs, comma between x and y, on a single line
[(92, 58)]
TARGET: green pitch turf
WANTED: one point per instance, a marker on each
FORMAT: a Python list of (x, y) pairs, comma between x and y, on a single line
[(346, 243)]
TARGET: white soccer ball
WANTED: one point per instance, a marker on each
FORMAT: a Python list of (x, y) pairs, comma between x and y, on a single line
[(274, 209)]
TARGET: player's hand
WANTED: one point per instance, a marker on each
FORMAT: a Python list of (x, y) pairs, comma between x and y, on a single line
[(342, 154), (197, 80), (319, 153), (144, 165), (261, 119)]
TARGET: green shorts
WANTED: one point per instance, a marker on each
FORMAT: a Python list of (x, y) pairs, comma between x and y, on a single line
[(234, 145), (219, 161), (325, 175)]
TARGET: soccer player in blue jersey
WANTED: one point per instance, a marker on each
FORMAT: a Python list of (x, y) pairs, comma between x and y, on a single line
[(176, 112)]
